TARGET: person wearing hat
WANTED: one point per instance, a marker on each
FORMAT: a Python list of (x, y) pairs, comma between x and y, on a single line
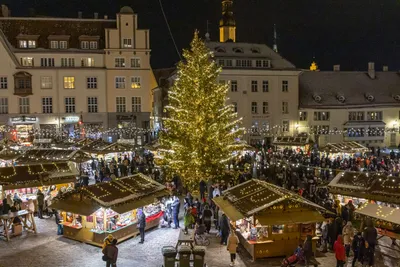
[(141, 217), (107, 241)]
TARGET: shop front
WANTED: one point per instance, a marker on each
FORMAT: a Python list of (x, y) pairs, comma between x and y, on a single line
[(270, 221), (24, 127), (92, 213)]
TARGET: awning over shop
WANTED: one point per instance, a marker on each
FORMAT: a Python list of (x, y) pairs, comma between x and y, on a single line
[(379, 212), (230, 211), (376, 186), (344, 147)]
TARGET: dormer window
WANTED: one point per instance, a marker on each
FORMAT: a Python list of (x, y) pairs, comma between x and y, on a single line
[(85, 45), (27, 44), (220, 49), (255, 50), (58, 41), (89, 42), (238, 50), (93, 45)]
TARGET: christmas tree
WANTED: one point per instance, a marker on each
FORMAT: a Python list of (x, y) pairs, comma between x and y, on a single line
[(201, 133)]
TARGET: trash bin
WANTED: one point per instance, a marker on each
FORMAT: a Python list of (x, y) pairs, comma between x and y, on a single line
[(184, 256), (169, 254), (198, 256)]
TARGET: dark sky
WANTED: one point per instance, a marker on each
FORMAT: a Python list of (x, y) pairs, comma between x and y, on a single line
[(346, 32)]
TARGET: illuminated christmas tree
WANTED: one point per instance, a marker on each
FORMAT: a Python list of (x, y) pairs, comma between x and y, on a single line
[(201, 134)]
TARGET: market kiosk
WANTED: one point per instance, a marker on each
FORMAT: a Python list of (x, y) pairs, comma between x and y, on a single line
[(292, 142), (343, 149), (270, 221), (91, 213)]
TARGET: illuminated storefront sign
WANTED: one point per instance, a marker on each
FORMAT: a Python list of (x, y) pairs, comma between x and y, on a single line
[(71, 119), (23, 119)]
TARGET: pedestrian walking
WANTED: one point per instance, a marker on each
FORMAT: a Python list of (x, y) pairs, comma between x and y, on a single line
[(348, 234), (224, 229), (59, 219), (176, 205), (207, 217), (111, 254), (339, 252), (307, 250), (366, 255), (358, 241), (40, 201), (233, 242), (370, 235), (141, 224)]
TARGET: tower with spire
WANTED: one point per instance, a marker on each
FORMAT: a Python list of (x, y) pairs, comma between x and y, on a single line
[(227, 24)]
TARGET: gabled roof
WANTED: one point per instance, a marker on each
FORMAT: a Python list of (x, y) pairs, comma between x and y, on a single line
[(323, 89), (249, 50)]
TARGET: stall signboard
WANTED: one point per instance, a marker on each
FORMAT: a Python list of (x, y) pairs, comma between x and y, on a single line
[(23, 119), (71, 119)]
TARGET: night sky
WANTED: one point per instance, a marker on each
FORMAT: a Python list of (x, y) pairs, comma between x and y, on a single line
[(346, 32)]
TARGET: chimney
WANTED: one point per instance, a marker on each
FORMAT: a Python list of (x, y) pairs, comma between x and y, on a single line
[(96, 15), (79, 14), (5, 11), (371, 70), (385, 68), (105, 16), (336, 67)]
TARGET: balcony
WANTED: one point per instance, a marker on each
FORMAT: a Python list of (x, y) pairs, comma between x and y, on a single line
[(23, 83), (23, 91)]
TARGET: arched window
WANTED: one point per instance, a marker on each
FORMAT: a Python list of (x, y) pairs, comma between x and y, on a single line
[(238, 50), (220, 49)]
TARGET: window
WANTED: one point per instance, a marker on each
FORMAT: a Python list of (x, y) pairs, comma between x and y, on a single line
[(221, 62), (356, 116), (47, 105), (3, 105), (46, 82), (120, 82), (277, 229), (285, 126), (135, 62), (121, 104), (321, 116), (246, 63), (87, 62), (69, 104), (23, 105), (84, 45), (254, 108), (22, 81), (265, 107), (285, 86), (265, 86), (93, 45), (27, 44), (235, 107), (234, 86), (266, 63), (229, 63), (3, 83), (54, 44), (68, 62), (135, 82), (320, 129), (119, 62), (136, 104), (258, 63), (27, 61), (374, 115), (63, 44), (254, 86), (127, 43), (91, 82), (69, 82), (303, 116), (92, 104), (285, 108), (47, 62)]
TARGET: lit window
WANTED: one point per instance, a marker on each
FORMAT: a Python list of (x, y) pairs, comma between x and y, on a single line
[(127, 43), (303, 116), (87, 62), (135, 82), (46, 82), (69, 82), (54, 44), (285, 126), (27, 61), (321, 116), (23, 44), (119, 62)]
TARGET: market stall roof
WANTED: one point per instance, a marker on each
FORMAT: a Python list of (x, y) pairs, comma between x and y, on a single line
[(52, 155), (120, 195), (291, 141), (380, 212), (256, 196), (70, 143), (374, 186), (9, 154), (344, 147), (95, 147), (37, 175), (117, 148)]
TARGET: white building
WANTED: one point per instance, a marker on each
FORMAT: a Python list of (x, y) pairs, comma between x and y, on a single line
[(57, 72), (357, 106)]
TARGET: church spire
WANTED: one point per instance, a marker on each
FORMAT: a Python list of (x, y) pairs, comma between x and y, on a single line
[(275, 47), (227, 24)]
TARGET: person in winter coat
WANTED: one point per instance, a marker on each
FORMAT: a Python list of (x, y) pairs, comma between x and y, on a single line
[(141, 217), (176, 206), (107, 241), (366, 255), (348, 234), (224, 228), (40, 201), (370, 235), (345, 214), (207, 217), (202, 189), (351, 208), (188, 219), (324, 236), (307, 249), (339, 252), (358, 242), (233, 242), (111, 254), (331, 233), (60, 229)]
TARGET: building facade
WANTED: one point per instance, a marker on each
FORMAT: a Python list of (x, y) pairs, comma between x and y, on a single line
[(338, 106), (69, 73)]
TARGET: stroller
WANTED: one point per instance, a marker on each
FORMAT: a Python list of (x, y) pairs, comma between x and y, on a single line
[(295, 258)]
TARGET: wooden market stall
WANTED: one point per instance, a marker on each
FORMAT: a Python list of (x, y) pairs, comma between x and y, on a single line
[(292, 142), (27, 180), (270, 221), (343, 149), (52, 155), (366, 186), (92, 213), (386, 219)]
